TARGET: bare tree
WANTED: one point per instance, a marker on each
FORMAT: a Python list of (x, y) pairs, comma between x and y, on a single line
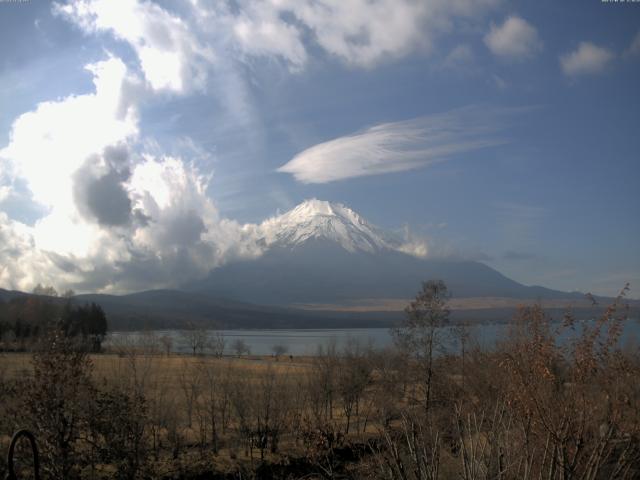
[(240, 347), (354, 375), (161, 404), (214, 400), (279, 350), (419, 334), (461, 336), (322, 381), (48, 291), (217, 343), (196, 338), (261, 406), (148, 343), (167, 343), (190, 382), (390, 387)]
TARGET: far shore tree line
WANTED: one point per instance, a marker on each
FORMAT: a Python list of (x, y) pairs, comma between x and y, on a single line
[(195, 340), (25, 321)]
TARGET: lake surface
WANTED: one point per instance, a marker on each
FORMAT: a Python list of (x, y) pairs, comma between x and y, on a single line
[(307, 341)]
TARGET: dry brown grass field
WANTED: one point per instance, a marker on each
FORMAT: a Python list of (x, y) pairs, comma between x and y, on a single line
[(178, 390)]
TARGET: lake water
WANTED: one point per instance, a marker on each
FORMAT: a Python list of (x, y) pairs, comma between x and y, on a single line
[(307, 341)]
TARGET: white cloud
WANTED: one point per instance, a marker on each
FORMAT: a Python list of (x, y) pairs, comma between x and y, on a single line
[(20, 263), (359, 32), (515, 39), (634, 47), (176, 50), (259, 30), (586, 59), (51, 142), (363, 33), (115, 220), (180, 237), (417, 247), (396, 147), (170, 56), (460, 56)]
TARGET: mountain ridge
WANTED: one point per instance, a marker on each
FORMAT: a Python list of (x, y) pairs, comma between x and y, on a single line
[(324, 252), (175, 309)]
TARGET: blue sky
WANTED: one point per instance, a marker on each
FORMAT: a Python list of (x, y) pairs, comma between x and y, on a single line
[(506, 132)]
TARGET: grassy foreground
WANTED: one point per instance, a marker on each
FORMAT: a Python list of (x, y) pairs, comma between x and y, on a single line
[(528, 409)]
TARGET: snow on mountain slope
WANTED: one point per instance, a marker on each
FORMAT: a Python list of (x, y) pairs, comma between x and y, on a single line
[(317, 219)]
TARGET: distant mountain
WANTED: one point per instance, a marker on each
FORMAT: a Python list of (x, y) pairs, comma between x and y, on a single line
[(173, 309), (322, 252), (6, 295), (320, 263), (166, 309)]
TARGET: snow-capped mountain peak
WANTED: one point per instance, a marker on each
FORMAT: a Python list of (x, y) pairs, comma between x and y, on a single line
[(317, 219)]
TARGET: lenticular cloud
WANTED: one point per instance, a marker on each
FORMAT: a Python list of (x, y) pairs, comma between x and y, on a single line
[(398, 146)]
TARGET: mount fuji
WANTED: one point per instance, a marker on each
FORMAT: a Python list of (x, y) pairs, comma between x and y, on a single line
[(325, 253), (332, 223), (321, 265)]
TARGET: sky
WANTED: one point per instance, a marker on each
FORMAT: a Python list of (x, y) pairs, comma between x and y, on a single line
[(142, 142)]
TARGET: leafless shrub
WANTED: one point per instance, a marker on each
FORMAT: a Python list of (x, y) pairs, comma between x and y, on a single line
[(262, 411), (116, 431), (56, 400), (571, 404), (410, 452)]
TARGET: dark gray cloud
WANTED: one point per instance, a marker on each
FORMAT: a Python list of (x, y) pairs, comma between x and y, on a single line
[(63, 263), (117, 156), (147, 269), (107, 200), (182, 228), (99, 190)]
